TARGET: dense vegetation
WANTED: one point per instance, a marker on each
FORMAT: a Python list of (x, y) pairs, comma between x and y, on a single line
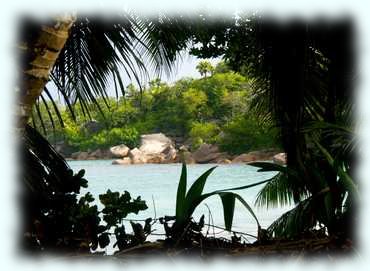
[(214, 109)]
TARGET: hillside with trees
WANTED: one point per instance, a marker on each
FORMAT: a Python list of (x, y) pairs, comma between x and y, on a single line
[(214, 110)]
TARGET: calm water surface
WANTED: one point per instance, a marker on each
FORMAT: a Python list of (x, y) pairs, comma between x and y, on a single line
[(159, 181)]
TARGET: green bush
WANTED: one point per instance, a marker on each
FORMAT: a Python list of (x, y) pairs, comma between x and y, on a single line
[(106, 139), (203, 133), (244, 134)]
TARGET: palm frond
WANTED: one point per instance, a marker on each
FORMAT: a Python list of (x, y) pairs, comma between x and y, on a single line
[(46, 172), (295, 221), (279, 191), (101, 52)]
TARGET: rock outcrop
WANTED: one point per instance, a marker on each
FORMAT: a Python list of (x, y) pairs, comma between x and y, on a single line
[(160, 149), (207, 153), (157, 148), (119, 151), (263, 155), (137, 156), (81, 155), (154, 143), (223, 161)]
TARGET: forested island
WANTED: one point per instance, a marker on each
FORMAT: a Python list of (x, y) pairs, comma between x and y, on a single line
[(214, 112)]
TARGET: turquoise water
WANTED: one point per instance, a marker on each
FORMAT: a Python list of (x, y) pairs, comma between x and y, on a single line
[(159, 181)]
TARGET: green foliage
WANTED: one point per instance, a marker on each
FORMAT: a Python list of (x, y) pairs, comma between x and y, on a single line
[(117, 207), (54, 217), (247, 133), (203, 133), (313, 204), (115, 136), (195, 102), (222, 67), (200, 110), (79, 139)]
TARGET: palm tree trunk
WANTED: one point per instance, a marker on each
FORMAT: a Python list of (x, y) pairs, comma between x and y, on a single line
[(39, 47)]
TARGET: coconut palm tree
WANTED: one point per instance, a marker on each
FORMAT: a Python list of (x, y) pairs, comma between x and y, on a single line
[(204, 67), (39, 48)]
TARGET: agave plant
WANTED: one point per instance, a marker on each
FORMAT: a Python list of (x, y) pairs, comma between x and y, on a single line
[(188, 201)]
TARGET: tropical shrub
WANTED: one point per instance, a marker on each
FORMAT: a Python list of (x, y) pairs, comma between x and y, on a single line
[(247, 133), (203, 133), (108, 138)]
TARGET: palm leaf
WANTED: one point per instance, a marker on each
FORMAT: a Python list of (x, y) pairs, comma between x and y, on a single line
[(277, 192), (99, 51), (295, 221)]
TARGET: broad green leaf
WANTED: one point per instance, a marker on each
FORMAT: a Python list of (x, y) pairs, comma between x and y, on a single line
[(228, 203), (188, 202), (181, 193), (196, 203), (196, 189), (246, 205), (244, 186)]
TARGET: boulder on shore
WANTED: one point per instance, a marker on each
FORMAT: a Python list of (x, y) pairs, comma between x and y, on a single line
[(155, 158), (154, 148), (262, 155), (119, 150), (158, 148), (82, 155), (154, 143), (207, 153), (280, 158), (137, 156), (170, 154), (98, 154)]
